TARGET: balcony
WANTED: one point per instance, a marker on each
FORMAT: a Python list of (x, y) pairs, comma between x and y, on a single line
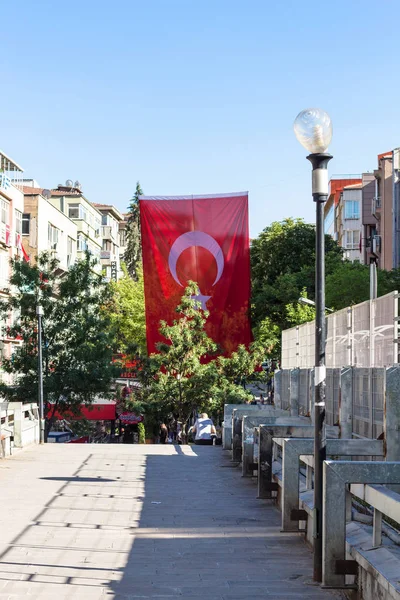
[(107, 233), (107, 257), (376, 206)]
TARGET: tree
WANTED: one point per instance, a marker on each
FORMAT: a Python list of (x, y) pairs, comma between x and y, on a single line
[(297, 314), (133, 252), (267, 337), (128, 313), (185, 375), (175, 378), (283, 263), (77, 337), (347, 285)]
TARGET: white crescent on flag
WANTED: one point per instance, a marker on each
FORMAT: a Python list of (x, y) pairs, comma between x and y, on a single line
[(199, 239)]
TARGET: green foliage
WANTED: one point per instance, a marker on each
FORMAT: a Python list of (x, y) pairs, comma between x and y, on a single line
[(133, 252), (177, 380), (77, 337), (128, 313), (283, 264), (297, 314), (347, 285), (267, 338), (142, 433)]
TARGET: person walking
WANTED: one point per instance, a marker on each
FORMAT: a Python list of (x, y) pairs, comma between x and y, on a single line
[(204, 430), (163, 433)]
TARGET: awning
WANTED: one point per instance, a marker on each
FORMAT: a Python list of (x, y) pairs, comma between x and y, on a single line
[(94, 412)]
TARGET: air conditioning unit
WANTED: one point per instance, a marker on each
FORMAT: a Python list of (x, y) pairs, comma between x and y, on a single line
[(376, 244)]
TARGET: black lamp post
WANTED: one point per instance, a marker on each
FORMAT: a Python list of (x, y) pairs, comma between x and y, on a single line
[(39, 314), (313, 129)]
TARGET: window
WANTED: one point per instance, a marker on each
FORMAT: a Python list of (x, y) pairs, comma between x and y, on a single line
[(70, 242), (104, 220), (18, 225), (82, 243), (73, 211), (352, 239), (352, 209), (107, 245), (4, 270), (53, 235), (26, 224), (4, 211), (329, 220), (122, 237)]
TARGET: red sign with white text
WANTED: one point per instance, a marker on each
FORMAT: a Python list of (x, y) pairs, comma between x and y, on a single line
[(203, 239)]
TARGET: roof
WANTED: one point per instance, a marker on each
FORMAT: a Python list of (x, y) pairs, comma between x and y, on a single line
[(384, 155), (71, 192), (354, 186), (31, 191), (8, 164), (109, 208), (336, 187)]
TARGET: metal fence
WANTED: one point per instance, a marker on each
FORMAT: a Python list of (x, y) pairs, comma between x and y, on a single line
[(364, 335), (368, 393)]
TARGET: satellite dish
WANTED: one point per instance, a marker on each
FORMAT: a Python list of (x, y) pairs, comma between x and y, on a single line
[(46, 194), (78, 185), (69, 183)]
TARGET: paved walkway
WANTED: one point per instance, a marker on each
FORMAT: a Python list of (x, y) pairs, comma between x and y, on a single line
[(104, 522)]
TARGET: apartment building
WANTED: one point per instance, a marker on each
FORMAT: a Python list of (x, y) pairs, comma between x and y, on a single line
[(383, 209), (342, 213), (110, 253), (70, 200), (349, 224), (370, 241), (11, 210), (46, 228), (122, 235)]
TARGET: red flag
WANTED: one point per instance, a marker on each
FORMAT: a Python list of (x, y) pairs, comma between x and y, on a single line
[(203, 239), (21, 249)]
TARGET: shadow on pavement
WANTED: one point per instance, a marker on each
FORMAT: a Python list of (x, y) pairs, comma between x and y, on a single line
[(203, 534)]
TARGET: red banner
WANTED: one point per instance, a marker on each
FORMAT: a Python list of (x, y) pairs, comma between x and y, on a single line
[(203, 239)]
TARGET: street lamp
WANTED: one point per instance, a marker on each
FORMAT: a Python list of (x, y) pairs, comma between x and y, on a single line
[(308, 302), (313, 129), (39, 314)]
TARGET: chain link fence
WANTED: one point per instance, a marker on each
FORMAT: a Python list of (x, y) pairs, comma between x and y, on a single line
[(364, 335)]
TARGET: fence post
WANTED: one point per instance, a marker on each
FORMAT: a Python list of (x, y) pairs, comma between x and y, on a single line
[(350, 336), (278, 388), (392, 413), (294, 392), (17, 407), (312, 394), (346, 403)]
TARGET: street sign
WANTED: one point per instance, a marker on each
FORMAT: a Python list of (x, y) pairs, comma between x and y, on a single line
[(114, 270)]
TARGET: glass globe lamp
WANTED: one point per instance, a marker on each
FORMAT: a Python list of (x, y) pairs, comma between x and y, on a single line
[(313, 129)]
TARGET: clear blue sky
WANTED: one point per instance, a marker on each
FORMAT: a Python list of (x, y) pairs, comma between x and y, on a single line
[(196, 96)]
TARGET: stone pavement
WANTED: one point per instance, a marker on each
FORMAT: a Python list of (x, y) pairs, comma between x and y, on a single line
[(128, 522)]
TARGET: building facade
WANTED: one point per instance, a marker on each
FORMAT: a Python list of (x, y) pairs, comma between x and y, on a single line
[(370, 245), (342, 213), (71, 202), (110, 253), (349, 224), (46, 228), (11, 210)]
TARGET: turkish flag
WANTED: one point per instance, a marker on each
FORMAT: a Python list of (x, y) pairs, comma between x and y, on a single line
[(203, 239)]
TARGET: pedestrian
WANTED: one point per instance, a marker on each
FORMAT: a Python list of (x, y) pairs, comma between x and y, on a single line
[(163, 433), (204, 430)]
